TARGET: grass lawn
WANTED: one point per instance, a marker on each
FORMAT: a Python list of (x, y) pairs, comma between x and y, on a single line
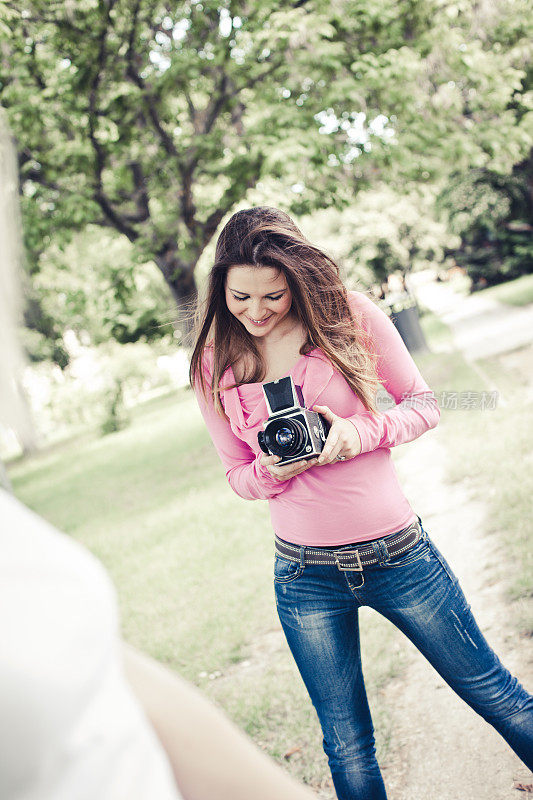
[(437, 333), (514, 293)]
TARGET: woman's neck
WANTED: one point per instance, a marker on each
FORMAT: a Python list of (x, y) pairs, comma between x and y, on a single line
[(293, 327)]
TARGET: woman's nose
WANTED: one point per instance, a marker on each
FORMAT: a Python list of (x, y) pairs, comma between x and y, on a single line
[(256, 310)]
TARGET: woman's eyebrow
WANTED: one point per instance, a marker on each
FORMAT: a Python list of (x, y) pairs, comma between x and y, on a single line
[(279, 291)]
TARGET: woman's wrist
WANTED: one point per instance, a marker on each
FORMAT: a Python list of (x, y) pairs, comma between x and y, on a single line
[(357, 424)]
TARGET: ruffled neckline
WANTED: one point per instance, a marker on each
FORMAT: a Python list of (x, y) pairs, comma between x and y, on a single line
[(245, 404)]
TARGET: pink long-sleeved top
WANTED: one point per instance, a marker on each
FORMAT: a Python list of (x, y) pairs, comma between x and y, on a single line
[(347, 501)]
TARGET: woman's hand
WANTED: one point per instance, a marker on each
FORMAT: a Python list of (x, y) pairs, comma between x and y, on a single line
[(285, 471), (343, 438)]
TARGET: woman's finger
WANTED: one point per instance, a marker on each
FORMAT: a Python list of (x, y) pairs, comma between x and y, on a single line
[(267, 461), (306, 465), (332, 457), (331, 443), (284, 473), (326, 412)]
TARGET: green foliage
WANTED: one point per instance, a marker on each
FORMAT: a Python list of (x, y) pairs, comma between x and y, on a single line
[(157, 120), (448, 78), (384, 231), (93, 286), (150, 120), (82, 395), (493, 214), (41, 337), (384, 262)]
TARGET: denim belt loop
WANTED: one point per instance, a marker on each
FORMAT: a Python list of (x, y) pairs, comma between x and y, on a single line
[(380, 548), (302, 556)]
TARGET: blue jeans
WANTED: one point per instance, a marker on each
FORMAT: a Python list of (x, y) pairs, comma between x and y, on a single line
[(417, 591)]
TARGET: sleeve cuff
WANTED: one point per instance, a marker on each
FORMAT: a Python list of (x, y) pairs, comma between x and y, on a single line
[(359, 423), (264, 473)]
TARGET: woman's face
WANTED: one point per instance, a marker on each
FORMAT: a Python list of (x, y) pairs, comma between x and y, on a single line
[(260, 299)]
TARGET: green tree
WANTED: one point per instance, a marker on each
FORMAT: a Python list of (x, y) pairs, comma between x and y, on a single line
[(384, 261), (155, 119), (149, 119), (92, 286), (492, 210), (404, 221), (493, 215)]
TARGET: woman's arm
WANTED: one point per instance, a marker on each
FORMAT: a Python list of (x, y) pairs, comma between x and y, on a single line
[(417, 410), (210, 757), (245, 473)]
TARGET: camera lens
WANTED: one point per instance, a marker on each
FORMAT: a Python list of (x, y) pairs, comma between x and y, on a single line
[(285, 437)]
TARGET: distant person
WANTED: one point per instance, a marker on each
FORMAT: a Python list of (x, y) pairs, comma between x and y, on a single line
[(346, 536)]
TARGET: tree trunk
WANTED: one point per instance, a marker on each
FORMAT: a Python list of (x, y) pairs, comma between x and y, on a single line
[(180, 279)]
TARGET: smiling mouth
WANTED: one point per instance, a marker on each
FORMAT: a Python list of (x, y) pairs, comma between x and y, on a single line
[(259, 322)]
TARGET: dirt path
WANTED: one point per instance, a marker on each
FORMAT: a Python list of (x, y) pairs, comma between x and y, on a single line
[(481, 326), (440, 748)]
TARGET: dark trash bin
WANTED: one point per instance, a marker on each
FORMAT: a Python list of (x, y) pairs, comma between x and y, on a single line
[(404, 314)]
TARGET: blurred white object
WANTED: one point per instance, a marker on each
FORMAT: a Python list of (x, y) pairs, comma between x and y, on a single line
[(71, 727), (177, 366)]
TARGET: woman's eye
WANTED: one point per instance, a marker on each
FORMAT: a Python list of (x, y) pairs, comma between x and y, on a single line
[(267, 298)]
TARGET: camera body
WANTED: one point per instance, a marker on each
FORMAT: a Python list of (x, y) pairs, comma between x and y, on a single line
[(291, 430)]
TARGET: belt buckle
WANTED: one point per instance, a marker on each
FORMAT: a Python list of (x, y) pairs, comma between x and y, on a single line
[(358, 568)]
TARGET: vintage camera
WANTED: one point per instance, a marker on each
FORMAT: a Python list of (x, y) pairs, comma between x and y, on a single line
[(291, 430)]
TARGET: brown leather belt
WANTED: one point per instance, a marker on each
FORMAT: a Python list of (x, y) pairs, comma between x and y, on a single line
[(351, 557)]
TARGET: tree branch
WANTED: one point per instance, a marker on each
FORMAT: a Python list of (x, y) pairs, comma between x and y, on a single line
[(273, 66), (192, 110), (119, 222), (132, 58), (188, 207), (34, 174), (230, 196), (34, 72), (140, 195)]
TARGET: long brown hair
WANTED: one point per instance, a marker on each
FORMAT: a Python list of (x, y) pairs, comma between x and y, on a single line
[(267, 237)]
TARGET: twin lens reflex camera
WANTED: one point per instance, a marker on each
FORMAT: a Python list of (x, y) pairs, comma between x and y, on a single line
[(291, 430)]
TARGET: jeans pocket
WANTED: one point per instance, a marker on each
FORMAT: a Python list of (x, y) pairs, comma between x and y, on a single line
[(286, 571), (420, 550), (444, 564)]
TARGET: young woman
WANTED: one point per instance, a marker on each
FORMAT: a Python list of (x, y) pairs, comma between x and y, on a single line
[(346, 535)]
